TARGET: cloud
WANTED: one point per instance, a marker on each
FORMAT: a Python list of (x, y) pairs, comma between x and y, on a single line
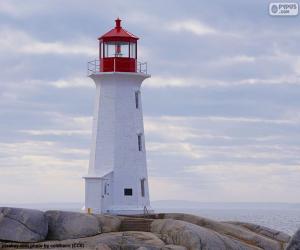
[(172, 187), (175, 149), (57, 132), (244, 170), (285, 79), (42, 168), (37, 47), (233, 60), (71, 122), (31, 150), (221, 110), (19, 10), (75, 82), (204, 139), (193, 26), (170, 121), (180, 82), (18, 41)]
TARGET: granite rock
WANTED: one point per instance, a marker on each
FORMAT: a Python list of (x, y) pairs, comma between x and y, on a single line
[(236, 232), (109, 223), (22, 225), (264, 231), (294, 244), (195, 237), (71, 225), (106, 241)]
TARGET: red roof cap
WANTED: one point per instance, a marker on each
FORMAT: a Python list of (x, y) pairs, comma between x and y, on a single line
[(118, 34)]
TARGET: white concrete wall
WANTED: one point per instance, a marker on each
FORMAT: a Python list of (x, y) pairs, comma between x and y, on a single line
[(117, 123), (93, 193)]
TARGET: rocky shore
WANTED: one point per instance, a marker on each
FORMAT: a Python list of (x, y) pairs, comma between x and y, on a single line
[(33, 229)]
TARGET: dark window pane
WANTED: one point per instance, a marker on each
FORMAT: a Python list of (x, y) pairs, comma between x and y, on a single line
[(143, 187), (140, 142), (137, 99), (128, 191)]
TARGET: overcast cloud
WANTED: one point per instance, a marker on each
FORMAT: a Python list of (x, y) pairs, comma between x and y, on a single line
[(221, 111)]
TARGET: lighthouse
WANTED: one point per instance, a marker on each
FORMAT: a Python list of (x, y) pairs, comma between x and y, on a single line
[(117, 180)]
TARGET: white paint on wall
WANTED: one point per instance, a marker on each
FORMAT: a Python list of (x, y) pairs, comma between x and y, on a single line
[(116, 163)]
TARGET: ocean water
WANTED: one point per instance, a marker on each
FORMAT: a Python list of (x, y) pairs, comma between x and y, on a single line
[(285, 220)]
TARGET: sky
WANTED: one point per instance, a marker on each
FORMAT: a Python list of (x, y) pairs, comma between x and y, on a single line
[(221, 110)]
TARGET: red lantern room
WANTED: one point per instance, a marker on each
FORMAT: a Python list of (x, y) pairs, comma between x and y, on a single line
[(118, 50)]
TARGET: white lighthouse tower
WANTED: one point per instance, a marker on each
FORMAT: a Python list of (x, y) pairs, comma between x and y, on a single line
[(117, 180)]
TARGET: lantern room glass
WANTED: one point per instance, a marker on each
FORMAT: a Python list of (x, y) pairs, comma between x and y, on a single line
[(132, 50), (118, 49)]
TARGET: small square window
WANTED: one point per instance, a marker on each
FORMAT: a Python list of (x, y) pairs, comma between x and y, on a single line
[(128, 191)]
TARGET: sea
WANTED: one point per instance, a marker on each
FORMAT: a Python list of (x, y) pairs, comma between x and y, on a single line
[(285, 220), (284, 217)]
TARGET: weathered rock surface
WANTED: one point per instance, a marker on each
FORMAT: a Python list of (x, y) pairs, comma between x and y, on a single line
[(71, 225), (294, 244), (109, 223), (171, 231), (174, 247), (22, 225), (265, 231), (195, 237), (107, 241), (255, 237)]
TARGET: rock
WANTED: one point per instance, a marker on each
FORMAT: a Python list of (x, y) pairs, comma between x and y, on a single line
[(103, 247), (22, 225), (294, 244), (107, 241), (109, 223), (236, 232), (71, 225), (174, 247), (195, 237), (171, 231), (265, 231)]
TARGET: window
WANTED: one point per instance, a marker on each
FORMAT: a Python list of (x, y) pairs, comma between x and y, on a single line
[(109, 49), (100, 50), (106, 185), (116, 49), (140, 142), (143, 187), (128, 191), (137, 93), (132, 50)]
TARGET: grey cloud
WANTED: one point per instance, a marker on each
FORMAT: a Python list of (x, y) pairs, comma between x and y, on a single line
[(253, 122)]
